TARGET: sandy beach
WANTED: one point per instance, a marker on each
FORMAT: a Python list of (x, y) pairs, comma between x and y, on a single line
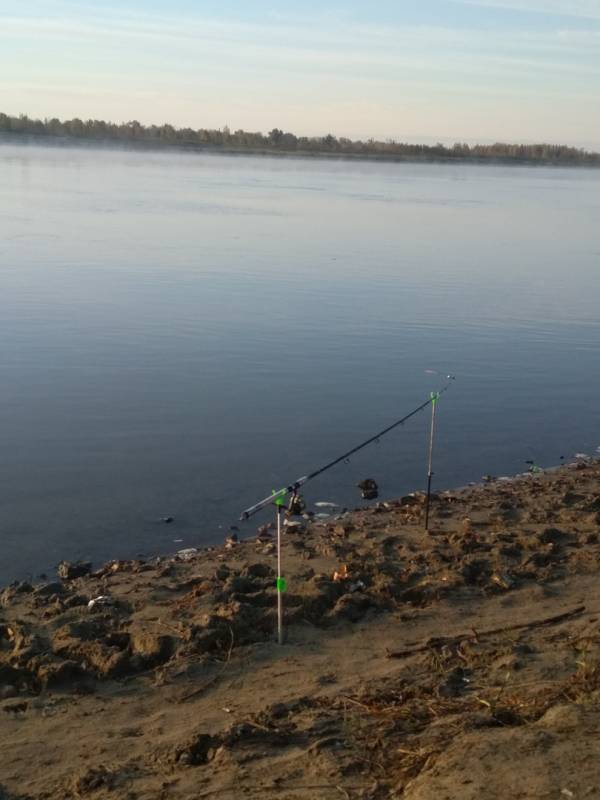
[(459, 663)]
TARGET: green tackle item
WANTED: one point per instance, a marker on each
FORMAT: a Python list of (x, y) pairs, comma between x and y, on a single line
[(279, 497)]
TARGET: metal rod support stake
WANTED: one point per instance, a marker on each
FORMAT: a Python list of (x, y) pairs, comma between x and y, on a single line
[(434, 399), (279, 579)]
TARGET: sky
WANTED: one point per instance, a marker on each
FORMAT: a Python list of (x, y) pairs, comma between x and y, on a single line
[(435, 70)]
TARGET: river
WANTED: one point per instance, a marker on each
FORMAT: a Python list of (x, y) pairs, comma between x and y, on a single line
[(182, 333)]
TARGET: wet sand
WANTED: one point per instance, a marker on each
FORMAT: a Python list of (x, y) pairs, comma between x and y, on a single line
[(459, 663)]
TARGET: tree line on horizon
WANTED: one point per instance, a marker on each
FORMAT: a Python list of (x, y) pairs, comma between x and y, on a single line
[(278, 141)]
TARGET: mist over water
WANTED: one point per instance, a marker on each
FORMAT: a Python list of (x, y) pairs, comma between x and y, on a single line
[(180, 334)]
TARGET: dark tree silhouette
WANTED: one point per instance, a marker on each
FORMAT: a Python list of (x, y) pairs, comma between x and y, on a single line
[(278, 141)]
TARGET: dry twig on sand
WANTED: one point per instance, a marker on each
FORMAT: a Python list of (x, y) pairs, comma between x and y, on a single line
[(443, 641)]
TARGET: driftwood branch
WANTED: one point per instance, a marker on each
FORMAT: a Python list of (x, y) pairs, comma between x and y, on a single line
[(310, 787), (442, 641)]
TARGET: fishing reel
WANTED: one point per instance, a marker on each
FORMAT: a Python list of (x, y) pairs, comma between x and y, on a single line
[(296, 506)]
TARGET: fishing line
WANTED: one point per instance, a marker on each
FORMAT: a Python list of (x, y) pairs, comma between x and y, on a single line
[(292, 488)]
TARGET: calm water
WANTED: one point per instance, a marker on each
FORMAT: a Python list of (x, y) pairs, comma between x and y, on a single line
[(180, 334)]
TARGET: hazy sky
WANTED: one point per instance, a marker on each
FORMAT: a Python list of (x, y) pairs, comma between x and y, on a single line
[(440, 69)]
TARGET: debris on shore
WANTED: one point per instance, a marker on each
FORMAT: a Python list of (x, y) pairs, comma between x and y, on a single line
[(416, 665)]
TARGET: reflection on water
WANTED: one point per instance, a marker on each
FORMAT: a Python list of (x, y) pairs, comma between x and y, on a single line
[(181, 333)]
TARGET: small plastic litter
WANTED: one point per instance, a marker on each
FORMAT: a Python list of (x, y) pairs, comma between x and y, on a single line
[(100, 601), (357, 586), (327, 504), (341, 574), (186, 554), (502, 580)]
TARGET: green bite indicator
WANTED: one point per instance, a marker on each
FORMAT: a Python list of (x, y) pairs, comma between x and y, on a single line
[(281, 585), (279, 497)]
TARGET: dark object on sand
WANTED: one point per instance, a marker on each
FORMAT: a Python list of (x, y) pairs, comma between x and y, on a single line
[(368, 489), (264, 534), (68, 571)]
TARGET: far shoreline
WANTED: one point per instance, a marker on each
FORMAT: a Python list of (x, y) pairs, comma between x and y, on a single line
[(65, 142)]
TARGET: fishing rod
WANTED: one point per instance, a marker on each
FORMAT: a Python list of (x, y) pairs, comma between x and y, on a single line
[(292, 488)]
